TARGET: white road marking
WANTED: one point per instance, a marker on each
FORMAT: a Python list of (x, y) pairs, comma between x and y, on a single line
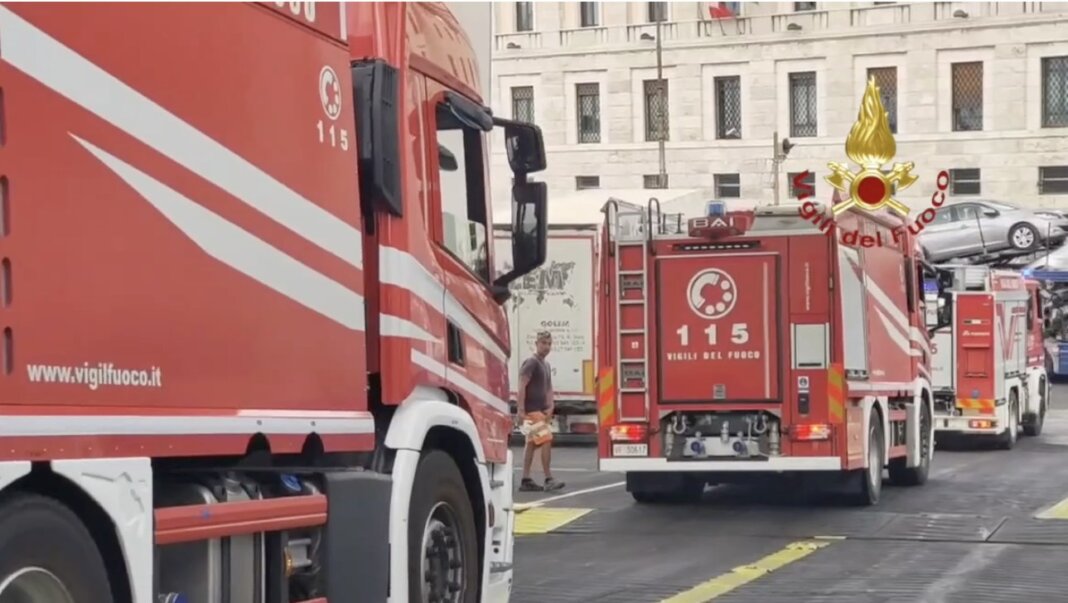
[(537, 503)]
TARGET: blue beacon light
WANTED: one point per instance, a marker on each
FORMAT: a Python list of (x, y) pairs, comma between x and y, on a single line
[(716, 209)]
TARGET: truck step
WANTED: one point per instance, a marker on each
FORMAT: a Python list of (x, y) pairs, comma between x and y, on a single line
[(631, 302), (632, 390), (497, 567)]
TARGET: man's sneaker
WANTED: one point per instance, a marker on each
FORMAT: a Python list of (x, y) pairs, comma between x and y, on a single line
[(529, 485), (551, 484)]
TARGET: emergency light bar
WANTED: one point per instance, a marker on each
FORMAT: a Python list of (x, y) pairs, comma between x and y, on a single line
[(716, 209)]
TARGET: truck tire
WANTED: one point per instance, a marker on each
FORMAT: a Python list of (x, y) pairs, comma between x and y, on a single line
[(1033, 425), (902, 475), (689, 490), (47, 555), (443, 560), (1007, 440), (868, 482)]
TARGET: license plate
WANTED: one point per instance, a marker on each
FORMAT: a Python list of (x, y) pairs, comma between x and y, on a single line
[(630, 450)]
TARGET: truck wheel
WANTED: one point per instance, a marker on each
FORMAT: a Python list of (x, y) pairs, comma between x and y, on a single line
[(689, 489), (442, 538), (1007, 440), (868, 482), (47, 555), (1033, 426), (903, 475)]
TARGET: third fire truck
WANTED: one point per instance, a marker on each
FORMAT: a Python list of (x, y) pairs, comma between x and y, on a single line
[(989, 373), (757, 343)]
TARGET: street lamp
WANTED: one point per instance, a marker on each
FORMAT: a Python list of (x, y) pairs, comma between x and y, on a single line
[(662, 178)]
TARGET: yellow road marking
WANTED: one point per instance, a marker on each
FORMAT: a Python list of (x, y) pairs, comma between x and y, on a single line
[(542, 520), (745, 574), (1057, 511)]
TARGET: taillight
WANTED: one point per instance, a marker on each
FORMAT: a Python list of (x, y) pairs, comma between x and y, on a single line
[(982, 424), (628, 432), (811, 431)]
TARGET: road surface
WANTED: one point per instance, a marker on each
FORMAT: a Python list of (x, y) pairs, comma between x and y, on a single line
[(989, 526)]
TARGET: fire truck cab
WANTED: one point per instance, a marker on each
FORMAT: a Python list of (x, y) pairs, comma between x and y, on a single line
[(755, 343), (989, 374)]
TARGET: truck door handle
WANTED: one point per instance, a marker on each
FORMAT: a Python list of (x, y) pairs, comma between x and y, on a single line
[(455, 343)]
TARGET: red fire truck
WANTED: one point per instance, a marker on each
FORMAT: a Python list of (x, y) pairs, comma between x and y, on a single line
[(251, 346), (754, 344), (989, 375)]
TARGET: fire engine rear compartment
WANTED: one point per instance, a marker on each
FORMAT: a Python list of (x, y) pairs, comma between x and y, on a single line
[(742, 361)]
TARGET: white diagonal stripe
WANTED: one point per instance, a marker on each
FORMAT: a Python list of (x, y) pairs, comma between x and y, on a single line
[(45, 59), (459, 380), (241, 250), (402, 269)]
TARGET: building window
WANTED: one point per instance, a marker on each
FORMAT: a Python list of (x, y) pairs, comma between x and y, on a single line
[(587, 182), (657, 11), (967, 96), (886, 80), (728, 186), (524, 16), (1053, 180), (656, 109), (803, 104), (588, 110), (463, 192), (655, 181), (810, 185), (523, 103), (800, 6), (964, 181), (1055, 92), (728, 106), (588, 14)]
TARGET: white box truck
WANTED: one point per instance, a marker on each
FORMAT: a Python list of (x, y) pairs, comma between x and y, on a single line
[(559, 298)]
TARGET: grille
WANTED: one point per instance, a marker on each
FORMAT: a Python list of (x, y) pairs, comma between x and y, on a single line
[(803, 104), (588, 98), (967, 96), (728, 107), (656, 109), (1054, 92), (886, 80), (523, 103)]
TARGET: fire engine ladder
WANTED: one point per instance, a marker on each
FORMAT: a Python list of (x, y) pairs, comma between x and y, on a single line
[(633, 229)]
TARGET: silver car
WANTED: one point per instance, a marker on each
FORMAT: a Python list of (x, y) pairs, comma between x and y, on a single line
[(975, 226)]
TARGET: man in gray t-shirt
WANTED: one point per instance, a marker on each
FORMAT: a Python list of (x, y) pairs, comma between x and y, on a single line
[(535, 395)]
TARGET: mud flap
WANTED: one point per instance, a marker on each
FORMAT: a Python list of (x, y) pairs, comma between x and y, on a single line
[(356, 558), (912, 436)]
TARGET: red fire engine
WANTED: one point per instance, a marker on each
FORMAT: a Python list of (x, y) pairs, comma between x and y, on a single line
[(252, 346), (753, 344), (989, 373)]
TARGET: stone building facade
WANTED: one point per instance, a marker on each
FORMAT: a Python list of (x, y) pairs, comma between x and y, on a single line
[(980, 89)]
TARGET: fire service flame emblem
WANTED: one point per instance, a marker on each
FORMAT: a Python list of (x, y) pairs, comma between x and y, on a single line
[(871, 145)]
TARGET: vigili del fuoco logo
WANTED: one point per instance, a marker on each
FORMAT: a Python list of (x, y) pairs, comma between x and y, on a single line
[(871, 146)]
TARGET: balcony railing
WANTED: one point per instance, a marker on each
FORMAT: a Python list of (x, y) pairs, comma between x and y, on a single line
[(783, 24)]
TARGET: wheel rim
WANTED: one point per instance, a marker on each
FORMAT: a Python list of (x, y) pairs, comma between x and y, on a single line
[(875, 465), (1012, 424), (1023, 237), (33, 585), (925, 436), (443, 556)]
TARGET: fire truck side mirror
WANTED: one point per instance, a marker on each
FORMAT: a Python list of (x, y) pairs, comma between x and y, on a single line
[(525, 146), (375, 92), (530, 234)]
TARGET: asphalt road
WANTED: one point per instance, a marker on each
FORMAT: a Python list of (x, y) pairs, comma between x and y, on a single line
[(969, 535)]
